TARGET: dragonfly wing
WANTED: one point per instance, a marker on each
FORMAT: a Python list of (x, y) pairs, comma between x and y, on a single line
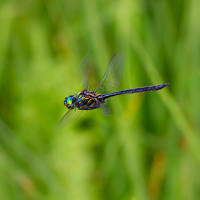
[(113, 74), (63, 119), (106, 109), (83, 68), (89, 71)]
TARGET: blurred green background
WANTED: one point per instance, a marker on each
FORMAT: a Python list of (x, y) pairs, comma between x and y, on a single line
[(148, 148)]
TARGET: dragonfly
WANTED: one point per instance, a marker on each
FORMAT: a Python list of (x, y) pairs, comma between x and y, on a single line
[(88, 99)]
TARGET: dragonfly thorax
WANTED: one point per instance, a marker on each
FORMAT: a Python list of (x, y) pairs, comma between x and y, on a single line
[(84, 100)]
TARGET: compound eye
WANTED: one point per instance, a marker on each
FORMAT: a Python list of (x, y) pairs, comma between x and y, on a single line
[(68, 102)]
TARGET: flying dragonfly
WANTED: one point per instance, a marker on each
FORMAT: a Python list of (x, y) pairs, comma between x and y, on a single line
[(88, 99)]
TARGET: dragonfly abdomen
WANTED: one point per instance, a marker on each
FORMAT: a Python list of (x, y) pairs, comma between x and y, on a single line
[(136, 90)]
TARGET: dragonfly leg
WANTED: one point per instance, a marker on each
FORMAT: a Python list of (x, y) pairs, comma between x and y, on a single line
[(89, 108)]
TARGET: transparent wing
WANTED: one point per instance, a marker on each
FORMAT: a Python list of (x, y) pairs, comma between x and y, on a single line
[(89, 70), (113, 74), (111, 78), (106, 109), (63, 119)]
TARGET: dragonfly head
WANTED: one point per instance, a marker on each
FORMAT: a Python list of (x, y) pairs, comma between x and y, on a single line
[(69, 102)]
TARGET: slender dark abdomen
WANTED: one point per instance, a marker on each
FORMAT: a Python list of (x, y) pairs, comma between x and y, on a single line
[(136, 90)]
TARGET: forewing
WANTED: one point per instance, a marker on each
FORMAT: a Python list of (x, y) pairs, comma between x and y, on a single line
[(89, 70), (64, 119), (112, 76)]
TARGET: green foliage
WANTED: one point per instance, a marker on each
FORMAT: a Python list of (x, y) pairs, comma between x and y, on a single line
[(148, 148)]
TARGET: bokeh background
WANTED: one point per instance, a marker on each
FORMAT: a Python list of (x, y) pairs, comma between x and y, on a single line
[(147, 148)]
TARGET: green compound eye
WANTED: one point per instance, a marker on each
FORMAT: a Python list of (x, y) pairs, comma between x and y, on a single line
[(69, 102)]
